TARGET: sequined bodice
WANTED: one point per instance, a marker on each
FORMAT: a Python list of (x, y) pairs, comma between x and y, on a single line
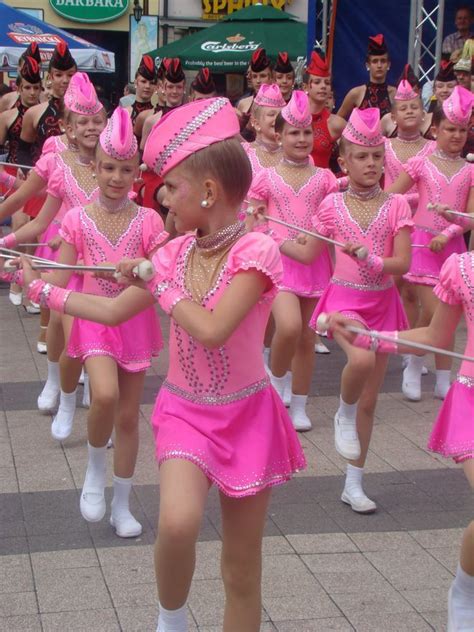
[(323, 143), (73, 182), (464, 284), (398, 151), (48, 124), (14, 132), (235, 369), (261, 158), (376, 96), (138, 107)]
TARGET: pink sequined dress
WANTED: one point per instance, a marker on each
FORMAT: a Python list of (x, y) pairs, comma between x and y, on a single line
[(359, 293), (394, 165), (453, 432), (69, 181), (216, 407), (259, 158), (434, 186), (296, 205), (133, 343)]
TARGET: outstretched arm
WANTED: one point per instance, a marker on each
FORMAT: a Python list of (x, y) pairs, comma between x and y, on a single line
[(28, 189)]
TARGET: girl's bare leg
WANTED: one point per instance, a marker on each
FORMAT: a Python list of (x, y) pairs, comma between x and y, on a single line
[(243, 521)]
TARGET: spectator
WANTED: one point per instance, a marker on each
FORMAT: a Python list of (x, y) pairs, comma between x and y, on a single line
[(463, 22), (128, 95)]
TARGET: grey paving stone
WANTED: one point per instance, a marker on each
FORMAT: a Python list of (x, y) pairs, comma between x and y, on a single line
[(400, 622), (367, 601), (80, 558), (426, 599), (322, 543), (103, 620), (71, 589), (22, 623), (18, 604), (15, 574), (389, 541), (302, 518), (60, 541), (14, 546), (300, 606)]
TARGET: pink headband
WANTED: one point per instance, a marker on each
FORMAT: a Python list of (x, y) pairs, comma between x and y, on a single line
[(297, 112), (269, 96), (81, 96), (458, 106), (189, 128), (117, 139), (405, 91), (363, 128)]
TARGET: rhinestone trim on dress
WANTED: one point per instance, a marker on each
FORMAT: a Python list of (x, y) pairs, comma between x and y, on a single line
[(217, 400)]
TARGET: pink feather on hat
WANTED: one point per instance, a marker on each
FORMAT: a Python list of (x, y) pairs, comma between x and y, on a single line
[(405, 91), (458, 106), (297, 112), (117, 139), (189, 128), (363, 128), (270, 96), (81, 96)]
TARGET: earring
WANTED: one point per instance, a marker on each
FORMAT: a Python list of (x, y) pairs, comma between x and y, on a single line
[(344, 170), (93, 174), (204, 203)]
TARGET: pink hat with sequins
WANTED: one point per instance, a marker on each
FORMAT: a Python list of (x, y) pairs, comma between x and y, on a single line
[(270, 96), (363, 128), (297, 112), (117, 139), (458, 106), (189, 128), (81, 96), (405, 91)]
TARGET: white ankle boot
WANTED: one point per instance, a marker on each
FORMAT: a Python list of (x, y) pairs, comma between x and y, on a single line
[(301, 421)]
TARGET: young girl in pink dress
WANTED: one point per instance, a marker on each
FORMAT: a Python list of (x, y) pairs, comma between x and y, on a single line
[(442, 177), (265, 151), (453, 432), (363, 290), (70, 182), (217, 419), (290, 192)]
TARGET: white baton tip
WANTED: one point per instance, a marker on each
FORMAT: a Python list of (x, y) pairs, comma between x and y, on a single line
[(10, 267), (322, 323), (145, 270), (362, 253), (470, 157), (143, 167)]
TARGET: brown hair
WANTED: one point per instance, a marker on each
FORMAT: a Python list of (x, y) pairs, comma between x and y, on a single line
[(227, 162), (438, 115)]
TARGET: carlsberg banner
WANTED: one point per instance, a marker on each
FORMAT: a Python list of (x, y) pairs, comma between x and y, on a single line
[(90, 10)]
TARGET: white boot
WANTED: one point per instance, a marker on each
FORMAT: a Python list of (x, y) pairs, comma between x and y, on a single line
[(461, 602), (61, 427), (443, 382), (173, 620), (287, 389), (346, 438), (121, 519), (92, 496), (353, 493), (301, 421), (278, 384), (48, 398), (411, 384)]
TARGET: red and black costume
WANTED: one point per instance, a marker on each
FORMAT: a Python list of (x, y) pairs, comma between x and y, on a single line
[(376, 94), (258, 63), (284, 66), (323, 142), (147, 70)]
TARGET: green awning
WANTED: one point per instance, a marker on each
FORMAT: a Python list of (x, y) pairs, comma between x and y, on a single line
[(228, 45)]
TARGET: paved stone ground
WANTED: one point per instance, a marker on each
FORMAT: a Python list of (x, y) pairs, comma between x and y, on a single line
[(325, 568)]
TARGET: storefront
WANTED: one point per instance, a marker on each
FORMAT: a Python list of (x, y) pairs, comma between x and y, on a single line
[(110, 24)]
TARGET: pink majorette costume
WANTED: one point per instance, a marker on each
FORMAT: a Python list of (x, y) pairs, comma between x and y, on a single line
[(260, 155), (101, 232), (444, 180), (208, 407), (398, 149), (292, 193), (360, 290)]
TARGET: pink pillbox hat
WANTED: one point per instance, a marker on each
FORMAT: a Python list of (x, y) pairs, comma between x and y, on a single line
[(405, 91), (297, 112), (187, 129), (81, 96), (269, 96), (117, 139), (458, 106), (363, 128)]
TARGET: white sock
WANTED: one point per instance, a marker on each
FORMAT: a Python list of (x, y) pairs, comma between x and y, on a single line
[(415, 366), (443, 378), (298, 403), (53, 380), (120, 501), (348, 411), (463, 587), (278, 383), (266, 355), (67, 402), (173, 620), (96, 467), (354, 477)]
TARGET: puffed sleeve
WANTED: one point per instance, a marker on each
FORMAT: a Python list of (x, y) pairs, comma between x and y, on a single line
[(400, 215), (414, 167), (154, 232), (255, 251), (164, 265), (323, 219), (56, 184), (70, 230), (259, 189), (448, 288), (49, 146), (332, 184), (45, 165)]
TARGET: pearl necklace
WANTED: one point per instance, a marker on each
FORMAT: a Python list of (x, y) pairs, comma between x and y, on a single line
[(366, 194)]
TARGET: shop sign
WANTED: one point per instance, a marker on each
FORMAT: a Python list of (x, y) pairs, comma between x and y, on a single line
[(233, 44), (90, 11), (218, 9)]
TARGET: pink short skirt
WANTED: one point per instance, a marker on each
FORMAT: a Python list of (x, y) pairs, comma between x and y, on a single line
[(131, 344), (243, 446), (453, 431), (307, 280), (374, 309), (426, 265)]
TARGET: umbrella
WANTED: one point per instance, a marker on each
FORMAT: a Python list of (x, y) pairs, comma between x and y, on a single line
[(228, 45), (19, 29)]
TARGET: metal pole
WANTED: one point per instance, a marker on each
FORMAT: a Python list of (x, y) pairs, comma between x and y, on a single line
[(439, 34), (311, 28)]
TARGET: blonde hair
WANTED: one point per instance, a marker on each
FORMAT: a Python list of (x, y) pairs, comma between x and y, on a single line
[(227, 163)]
